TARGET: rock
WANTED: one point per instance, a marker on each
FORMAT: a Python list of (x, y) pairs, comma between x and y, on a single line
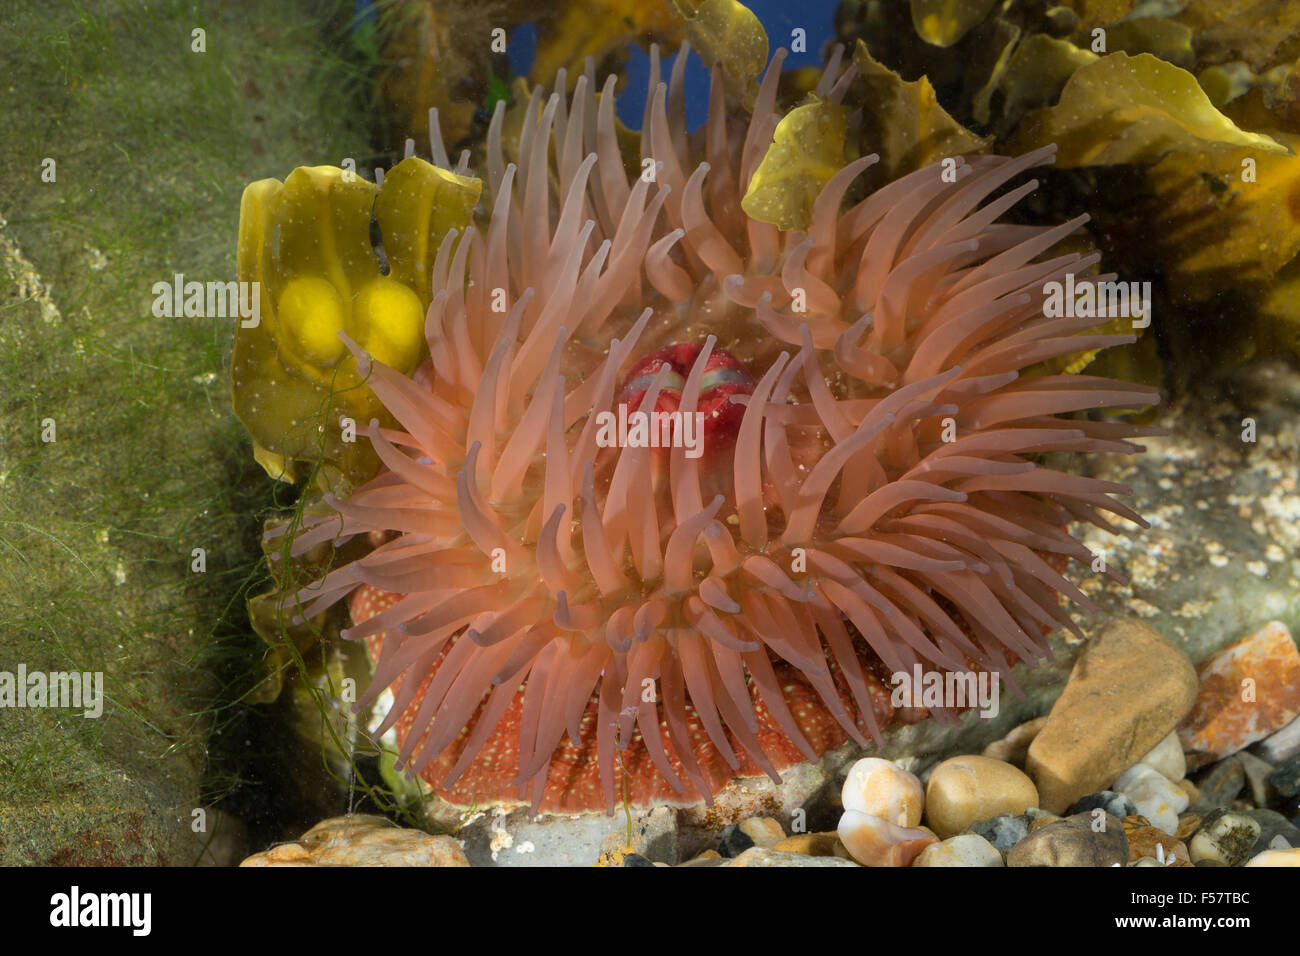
[(875, 842), (1272, 826), (1220, 785), (880, 788), (705, 859), (969, 788), (1286, 778), (1188, 823), (1014, 747), (766, 856), (1189, 788), (1282, 746), (654, 837), (733, 841), (1167, 758), (1003, 831), (361, 840), (1155, 797), (1116, 804), (1275, 858), (965, 849), (1257, 772), (812, 844), (1073, 841), (1038, 818), (1225, 838), (1145, 840), (636, 859), (1248, 691), (1129, 688), (764, 831)]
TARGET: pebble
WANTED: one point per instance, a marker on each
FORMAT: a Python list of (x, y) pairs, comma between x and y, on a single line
[(1014, 747), (764, 831), (1286, 778), (1273, 826), (872, 841), (881, 788), (1167, 758), (766, 856), (654, 837), (733, 841), (1003, 831), (1116, 804), (1188, 823), (1282, 746), (971, 787), (965, 849), (1275, 858), (1129, 688), (1248, 691), (1257, 773), (1155, 797), (1225, 838), (1146, 841), (1220, 785), (813, 844), (362, 840), (1073, 841)]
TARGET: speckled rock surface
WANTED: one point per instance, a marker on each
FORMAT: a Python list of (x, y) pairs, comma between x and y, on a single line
[(361, 840)]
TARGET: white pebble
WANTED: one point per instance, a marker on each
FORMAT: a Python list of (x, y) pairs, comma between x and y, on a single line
[(881, 788), (1157, 798), (872, 841), (1167, 757), (965, 849)]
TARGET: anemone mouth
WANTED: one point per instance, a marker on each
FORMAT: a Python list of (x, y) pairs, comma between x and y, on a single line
[(550, 606)]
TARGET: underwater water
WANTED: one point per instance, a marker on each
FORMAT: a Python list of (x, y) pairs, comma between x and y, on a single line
[(970, 516)]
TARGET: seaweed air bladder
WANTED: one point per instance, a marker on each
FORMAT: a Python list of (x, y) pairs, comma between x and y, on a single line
[(563, 620)]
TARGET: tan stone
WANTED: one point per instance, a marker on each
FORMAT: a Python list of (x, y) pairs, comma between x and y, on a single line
[(1275, 858), (963, 790), (812, 844), (872, 841), (764, 831), (1014, 747), (361, 840), (1129, 688)]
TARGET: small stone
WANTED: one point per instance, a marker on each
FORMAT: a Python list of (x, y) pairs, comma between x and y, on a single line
[(1286, 778), (1225, 838), (1188, 823), (1225, 717), (1189, 788), (1281, 746), (766, 856), (875, 842), (654, 837), (1144, 840), (1073, 841), (1273, 827), (1275, 858), (965, 849), (764, 831), (1039, 818), (361, 840), (1116, 804), (812, 844), (1155, 797), (881, 788), (1167, 758), (1129, 688), (1257, 773), (636, 859), (1014, 747), (1220, 785), (970, 787), (706, 859), (1003, 831), (733, 841)]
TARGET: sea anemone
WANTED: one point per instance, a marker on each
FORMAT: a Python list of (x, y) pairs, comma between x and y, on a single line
[(868, 496)]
